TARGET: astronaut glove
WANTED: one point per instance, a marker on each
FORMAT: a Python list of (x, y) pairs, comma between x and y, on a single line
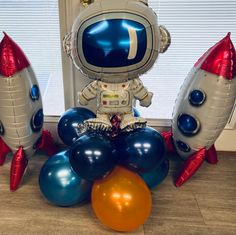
[(146, 102)]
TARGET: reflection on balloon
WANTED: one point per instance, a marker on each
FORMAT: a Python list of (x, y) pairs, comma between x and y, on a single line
[(121, 201), (68, 123), (156, 176), (91, 156), (60, 184), (140, 150)]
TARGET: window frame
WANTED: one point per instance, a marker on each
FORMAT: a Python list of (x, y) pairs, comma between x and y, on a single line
[(74, 81)]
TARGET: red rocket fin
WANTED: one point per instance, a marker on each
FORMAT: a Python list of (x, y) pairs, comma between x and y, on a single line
[(167, 136), (211, 155), (4, 150), (47, 144), (18, 166), (191, 166)]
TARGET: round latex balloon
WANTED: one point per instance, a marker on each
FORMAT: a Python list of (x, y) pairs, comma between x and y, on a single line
[(68, 124), (91, 156), (60, 184), (121, 201), (140, 150), (156, 176)]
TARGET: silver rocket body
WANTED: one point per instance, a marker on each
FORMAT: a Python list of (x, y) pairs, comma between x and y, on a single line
[(211, 116), (20, 107)]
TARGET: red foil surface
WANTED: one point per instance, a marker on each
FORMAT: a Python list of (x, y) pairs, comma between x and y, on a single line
[(191, 166), (4, 150), (18, 166), (12, 58), (220, 59)]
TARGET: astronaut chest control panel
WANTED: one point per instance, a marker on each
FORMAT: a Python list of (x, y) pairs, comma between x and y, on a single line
[(114, 95)]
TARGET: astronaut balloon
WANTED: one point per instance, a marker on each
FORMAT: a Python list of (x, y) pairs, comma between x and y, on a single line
[(113, 43), (21, 113)]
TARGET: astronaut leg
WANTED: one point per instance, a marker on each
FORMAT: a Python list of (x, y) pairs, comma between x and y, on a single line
[(101, 122), (18, 166), (129, 122)]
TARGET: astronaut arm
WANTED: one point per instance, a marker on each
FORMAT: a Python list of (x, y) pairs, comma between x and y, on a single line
[(88, 93), (141, 93)]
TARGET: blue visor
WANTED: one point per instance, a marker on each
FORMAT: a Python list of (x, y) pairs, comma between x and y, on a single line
[(114, 43)]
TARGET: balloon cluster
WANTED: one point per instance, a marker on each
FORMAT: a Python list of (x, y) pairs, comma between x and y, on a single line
[(117, 172)]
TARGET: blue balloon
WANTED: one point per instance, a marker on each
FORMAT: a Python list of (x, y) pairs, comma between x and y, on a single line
[(60, 185), (140, 150), (156, 176), (91, 156), (68, 123)]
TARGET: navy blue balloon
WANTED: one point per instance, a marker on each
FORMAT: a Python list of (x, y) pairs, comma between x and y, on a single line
[(156, 176), (67, 125), (91, 156), (60, 185), (140, 150)]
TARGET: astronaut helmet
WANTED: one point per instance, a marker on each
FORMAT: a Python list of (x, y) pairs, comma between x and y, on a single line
[(115, 40)]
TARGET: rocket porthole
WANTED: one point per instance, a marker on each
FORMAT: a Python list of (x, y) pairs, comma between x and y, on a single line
[(183, 146), (1, 129), (34, 92), (188, 125), (197, 97), (37, 121)]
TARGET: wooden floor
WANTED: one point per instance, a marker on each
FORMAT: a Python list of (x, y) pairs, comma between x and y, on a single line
[(204, 205)]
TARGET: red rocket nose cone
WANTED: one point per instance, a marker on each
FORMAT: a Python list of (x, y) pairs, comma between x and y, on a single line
[(12, 58), (220, 59)]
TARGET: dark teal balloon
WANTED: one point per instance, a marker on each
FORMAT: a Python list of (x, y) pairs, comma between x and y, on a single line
[(140, 150), (156, 176), (91, 156), (60, 185), (68, 123)]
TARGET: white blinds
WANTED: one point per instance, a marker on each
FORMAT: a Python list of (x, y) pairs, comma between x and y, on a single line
[(34, 25), (195, 25)]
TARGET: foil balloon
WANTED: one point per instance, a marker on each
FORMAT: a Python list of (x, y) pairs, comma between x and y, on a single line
[(141, 150), (203, 107), (121, 201), (156, 176), (91, 156), (116, 60), (59, 183), (70, 123), (21, 113)]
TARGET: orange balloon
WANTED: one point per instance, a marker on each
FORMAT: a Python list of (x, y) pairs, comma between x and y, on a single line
[(121, 201)]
